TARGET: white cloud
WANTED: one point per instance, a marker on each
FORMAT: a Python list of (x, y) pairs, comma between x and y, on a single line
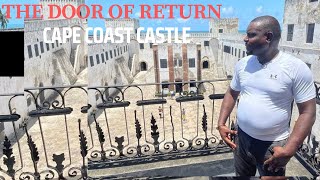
[(227, 10), (259, 9), (180, 20)]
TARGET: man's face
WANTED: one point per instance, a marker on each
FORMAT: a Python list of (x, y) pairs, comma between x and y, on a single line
[(256, 39)]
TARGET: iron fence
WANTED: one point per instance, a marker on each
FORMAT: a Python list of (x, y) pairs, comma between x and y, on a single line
[(116, 126)]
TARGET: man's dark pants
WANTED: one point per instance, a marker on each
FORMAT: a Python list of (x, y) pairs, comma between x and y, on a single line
[(251, 153)]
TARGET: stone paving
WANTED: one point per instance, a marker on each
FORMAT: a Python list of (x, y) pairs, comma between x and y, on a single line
[(121, 123)]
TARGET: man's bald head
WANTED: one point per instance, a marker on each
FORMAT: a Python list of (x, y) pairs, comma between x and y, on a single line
[(269, 23)]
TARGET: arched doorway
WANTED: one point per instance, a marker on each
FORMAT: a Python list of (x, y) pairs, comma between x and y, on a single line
[(205, 64), (143, 66)]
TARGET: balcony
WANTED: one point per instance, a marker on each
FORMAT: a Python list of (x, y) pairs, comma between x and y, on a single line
[(73, 132)]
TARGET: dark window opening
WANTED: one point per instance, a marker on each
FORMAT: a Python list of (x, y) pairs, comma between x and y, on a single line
[(107, 58), (205, 64), (91, 61), (41, 47), (36, 49), (143, 66), (111, 54), (192, 62), (310, 31), (220, 30), (97, 58), (151, 45), (192, 84), (226, 49), (290, 32), (29, 51), (115, 52), (48, 47), (141, 46), (206, 43), (102, 58), (163, 63), (165, 85)]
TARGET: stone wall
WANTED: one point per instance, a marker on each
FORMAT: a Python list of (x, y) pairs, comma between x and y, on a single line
[(221, 26), (108, 71)]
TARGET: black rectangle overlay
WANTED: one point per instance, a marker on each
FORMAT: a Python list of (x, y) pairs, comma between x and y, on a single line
[(12, 52)]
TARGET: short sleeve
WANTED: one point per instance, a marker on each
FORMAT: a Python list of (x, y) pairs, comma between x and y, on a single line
[(235, 82), (303, 84)]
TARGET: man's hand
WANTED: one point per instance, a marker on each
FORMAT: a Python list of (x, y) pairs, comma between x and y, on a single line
[(225, 134), (278, 160)]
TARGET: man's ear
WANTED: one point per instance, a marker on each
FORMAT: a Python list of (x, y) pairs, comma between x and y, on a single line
[(269, 35)]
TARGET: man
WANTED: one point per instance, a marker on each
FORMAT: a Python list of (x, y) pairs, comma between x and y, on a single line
[(268, 81)]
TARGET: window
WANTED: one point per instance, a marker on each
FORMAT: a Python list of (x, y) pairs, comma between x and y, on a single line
[(121, 50), (192, 62), (41, 47), (29, 51), (235, 51), (36, 49), (141, 46), (290, 32), (118, 51), (91, 61), (151, 45), (313, 0), (243, 54), (57, 43), (206, 43), (115, 53), (97, 58), (232, 50), (110, 54), (107, 58), (239, 53), (48, 47), (220, 30), (102, 58), (192, 84), (310, 30), (205, 65), (163, 63), (226, 49), (52, 45)]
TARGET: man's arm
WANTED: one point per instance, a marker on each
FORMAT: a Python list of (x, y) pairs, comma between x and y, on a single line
[(227, 106), (301, 129)]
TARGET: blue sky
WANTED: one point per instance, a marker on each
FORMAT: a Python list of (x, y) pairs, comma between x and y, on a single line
[(245, 10)]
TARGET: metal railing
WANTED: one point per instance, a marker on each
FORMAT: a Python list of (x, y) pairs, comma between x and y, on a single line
[(124, 125)]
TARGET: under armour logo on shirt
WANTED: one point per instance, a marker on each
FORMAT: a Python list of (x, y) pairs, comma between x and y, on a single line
[(272, 76)]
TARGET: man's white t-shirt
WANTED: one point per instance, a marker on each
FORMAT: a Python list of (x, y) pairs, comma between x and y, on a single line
[(266, 94)]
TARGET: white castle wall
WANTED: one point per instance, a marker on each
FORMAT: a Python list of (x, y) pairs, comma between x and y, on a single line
[(114, 71)]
